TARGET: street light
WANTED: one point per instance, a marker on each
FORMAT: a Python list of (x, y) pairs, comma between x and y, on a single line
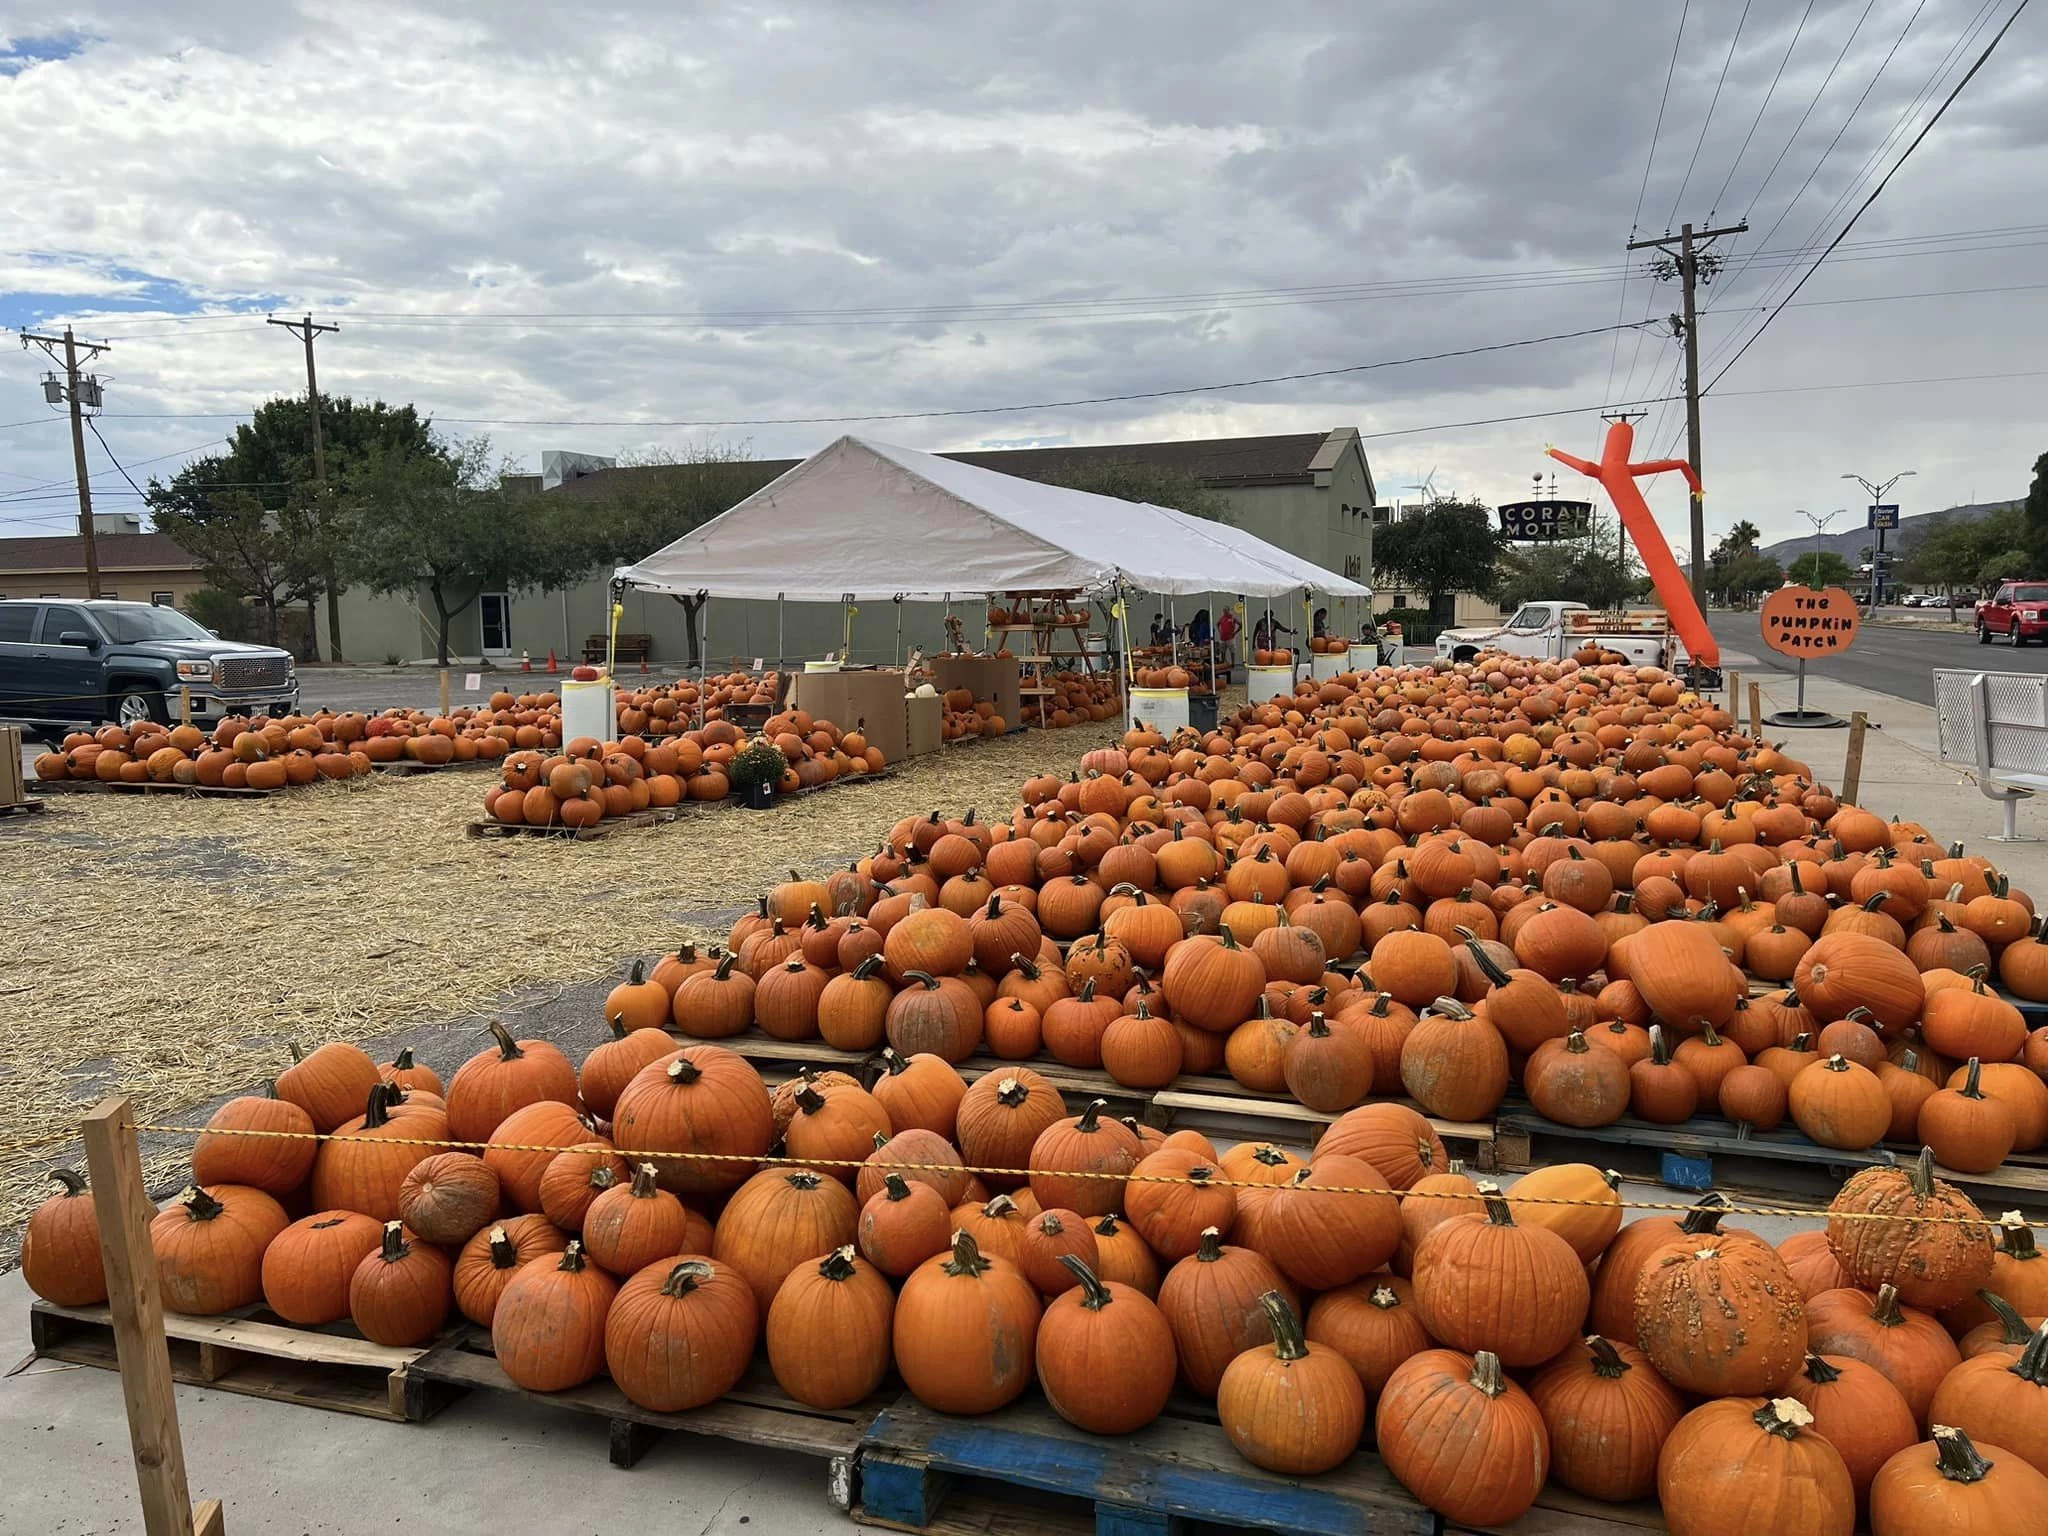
[(1877, 562)]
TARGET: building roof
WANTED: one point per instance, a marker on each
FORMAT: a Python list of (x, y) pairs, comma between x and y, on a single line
[(116, 551)]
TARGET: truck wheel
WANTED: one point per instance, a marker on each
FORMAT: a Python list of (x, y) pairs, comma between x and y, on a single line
[(131, 705), (1983, 634)]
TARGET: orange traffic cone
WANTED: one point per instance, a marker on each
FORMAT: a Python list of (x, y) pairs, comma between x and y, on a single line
[(525, 662), (643, 661), (553, 665)]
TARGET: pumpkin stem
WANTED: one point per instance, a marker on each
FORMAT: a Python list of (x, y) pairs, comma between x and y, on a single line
[(378, 1111), (809, 1100), (572, 1257), (684, 1072), (724, 971), (1487, 967), (894, 1185), (1486, 1373), (508, 1048), (1955, 1458), (70, 1179), (643, 1182), (503, 1254), (1660, 1053), (1288, 1344), (1107, 1227), (1094, 1294), (403, 1061), (2015, 1237), (618, 1024), (1886, 1313), (1211, 1248), (2032, 1365), (2012, 1328), (682, 1280), (1088, 1125), (1010, 1093), (1450, 1007), (1575, 1042), (838, 1264), (1819, 1371), (867, 968), (1704, 1219), (1498, 1212), (394, 1247), (1607, 1362), (1384, 1297), (967, 1259), (1707, 1031), (926, 979), (1920, 1174), (999, 1207), (602, 1177), (1229, 939), (1318, 1026), (1973, 1070), (199, 1205)]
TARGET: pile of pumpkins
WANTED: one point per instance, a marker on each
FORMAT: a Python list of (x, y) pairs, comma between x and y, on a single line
[(1282, 657), (966, 717), (588, 780), (626, 1216), (237, 754), (1077, 698), (1328, 645)]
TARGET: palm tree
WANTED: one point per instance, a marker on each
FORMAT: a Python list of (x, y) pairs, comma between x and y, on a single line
[(1742, 537)]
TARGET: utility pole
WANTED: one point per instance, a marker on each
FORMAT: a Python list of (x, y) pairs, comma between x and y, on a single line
[(1692, 263), (71, 389), (1878, 572), (306, 330)]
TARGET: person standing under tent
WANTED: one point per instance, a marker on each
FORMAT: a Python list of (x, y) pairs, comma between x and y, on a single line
[(1265, 631), (1226, 631), (1162, 632), (1319, 625), (1198, 629)]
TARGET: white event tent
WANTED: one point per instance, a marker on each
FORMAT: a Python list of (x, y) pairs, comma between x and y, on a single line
[(865, 520)]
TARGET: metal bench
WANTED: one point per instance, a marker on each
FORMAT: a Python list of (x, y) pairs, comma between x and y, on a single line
[(1996, 723)]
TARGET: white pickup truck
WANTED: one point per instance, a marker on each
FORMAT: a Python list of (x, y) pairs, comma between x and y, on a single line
[(1554, 630)]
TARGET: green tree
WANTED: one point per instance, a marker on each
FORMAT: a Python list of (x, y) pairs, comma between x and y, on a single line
[(2035, 507), (1129, 480), (444, 524), (1450, 546), (1824, 568), (1748, 576), (245, 549), (270, 460)]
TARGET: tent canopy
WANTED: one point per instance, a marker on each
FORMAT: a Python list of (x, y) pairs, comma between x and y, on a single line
[(873, 521)]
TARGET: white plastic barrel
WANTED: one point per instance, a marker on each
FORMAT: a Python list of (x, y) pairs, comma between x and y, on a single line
[(589, 709), (1164, 710), (1263, 683), (821, 666), (1324, 665), (1365, 655)]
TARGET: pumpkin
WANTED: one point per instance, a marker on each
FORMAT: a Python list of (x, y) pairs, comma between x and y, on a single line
[(399, 1293), (1966, 1130), (828, 1331), (2007, 1333), (1331, 1222), (1140, 1051), (1290, 1406), (1950, 1485), (1485, 1283), (965, 1330), (1754, 1096), (502, 1078), (1079, 1163), (490, 1259), (1973, 1020), (1589, 1212), (1811, 1264), (922, 1157), (549, 1328), (1838, 1103), (1709, 1059), (716, 1003), (1575, 1083), (1858, 1411), (1876, 1229), (1990, 1395), (1122, 1256), (638, 1002), (1048, 1237), (704, 1101), (779, 1218), (1173, 1197), (1683, 975), (1211, 1302), (679, 1333), (836, 1130), (1402, 1144), (1325, 1068), (613, 1064), (1373, 1324), (1211, 982), (1847, 970), (448, 1197), (1429, 1202), (363, 1168), (1462, 1437), (1740, 1465), (1909, 1346), (2019, 1275), (1455, 1064), (935, 1015), (1719, 1316), (525, 1145), (1105, 1355), (209, 1246), (903, 1224), (60, 1247), (630, 1225), (1608, 1414), (853, 1008), (307, 1267), (332, 1084), (1614, 1290), (921, 1092), (275, 1163)]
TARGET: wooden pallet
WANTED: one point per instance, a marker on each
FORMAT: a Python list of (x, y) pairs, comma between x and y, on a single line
[(756, 1412), (1559, 1513), (1687, 1153), (605, 828), (203, 791), (22, 808), (407, 765), (254, 1354), (1217, 1103), (1174, 1471)]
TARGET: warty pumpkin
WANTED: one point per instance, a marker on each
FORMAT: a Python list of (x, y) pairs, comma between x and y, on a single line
[(1613, 1311), (1720, 1316), (680, 1333), (1462, 1437), (1879, 1232)]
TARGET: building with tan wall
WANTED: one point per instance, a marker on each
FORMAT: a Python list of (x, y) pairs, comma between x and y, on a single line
[(134, 567)]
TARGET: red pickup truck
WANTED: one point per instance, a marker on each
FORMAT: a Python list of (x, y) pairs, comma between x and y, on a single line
[(2017, 610)]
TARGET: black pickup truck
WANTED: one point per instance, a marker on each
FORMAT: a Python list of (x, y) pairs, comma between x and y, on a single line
[(71, 659)]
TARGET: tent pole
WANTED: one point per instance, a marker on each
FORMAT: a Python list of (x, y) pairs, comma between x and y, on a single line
[(1172, 632), (899, 628), (781, 649)]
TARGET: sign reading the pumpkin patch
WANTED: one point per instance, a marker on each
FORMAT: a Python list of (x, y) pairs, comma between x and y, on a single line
[(1803, 621), (1531, 522)]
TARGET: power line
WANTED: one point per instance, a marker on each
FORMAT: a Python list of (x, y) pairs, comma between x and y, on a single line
[(1757, 121), (1800, 126), (1876, 191), (1635, 219), (1707, 121)]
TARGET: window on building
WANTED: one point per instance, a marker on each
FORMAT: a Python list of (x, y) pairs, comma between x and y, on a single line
[(109, 595), (163, 600)]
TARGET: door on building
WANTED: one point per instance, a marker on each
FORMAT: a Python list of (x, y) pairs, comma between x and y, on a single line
[(494, 613)]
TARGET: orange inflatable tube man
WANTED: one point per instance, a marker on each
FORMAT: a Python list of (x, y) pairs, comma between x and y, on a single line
[(1618, 476)]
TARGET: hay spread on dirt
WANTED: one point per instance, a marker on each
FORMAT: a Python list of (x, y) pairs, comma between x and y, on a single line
[(169, 948)]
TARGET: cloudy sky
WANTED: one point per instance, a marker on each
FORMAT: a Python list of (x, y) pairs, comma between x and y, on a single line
[(625, 227)]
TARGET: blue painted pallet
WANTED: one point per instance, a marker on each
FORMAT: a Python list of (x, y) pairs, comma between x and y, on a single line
[(1152, 1483)]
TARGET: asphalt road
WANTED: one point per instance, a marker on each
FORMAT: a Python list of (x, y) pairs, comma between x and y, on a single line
[(1891, 659)]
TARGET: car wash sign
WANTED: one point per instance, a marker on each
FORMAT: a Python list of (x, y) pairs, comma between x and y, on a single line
[(1543, 522)]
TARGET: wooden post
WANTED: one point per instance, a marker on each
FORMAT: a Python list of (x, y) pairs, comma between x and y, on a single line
[(184, 705), (444, 691), (1735, 698), (1756, 711), (1852, 765), (135, 1299)]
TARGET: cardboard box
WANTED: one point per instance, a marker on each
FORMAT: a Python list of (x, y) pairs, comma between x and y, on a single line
[(924, 721), (871, 700), (994, 678), (12, 788)]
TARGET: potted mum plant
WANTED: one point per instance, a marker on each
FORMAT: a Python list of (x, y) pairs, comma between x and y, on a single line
[(755, 771)]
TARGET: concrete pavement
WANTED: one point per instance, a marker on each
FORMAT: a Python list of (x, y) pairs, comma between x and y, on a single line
[(1896, 659)]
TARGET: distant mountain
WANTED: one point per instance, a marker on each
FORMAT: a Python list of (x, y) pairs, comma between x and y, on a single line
[(1849, 542)]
